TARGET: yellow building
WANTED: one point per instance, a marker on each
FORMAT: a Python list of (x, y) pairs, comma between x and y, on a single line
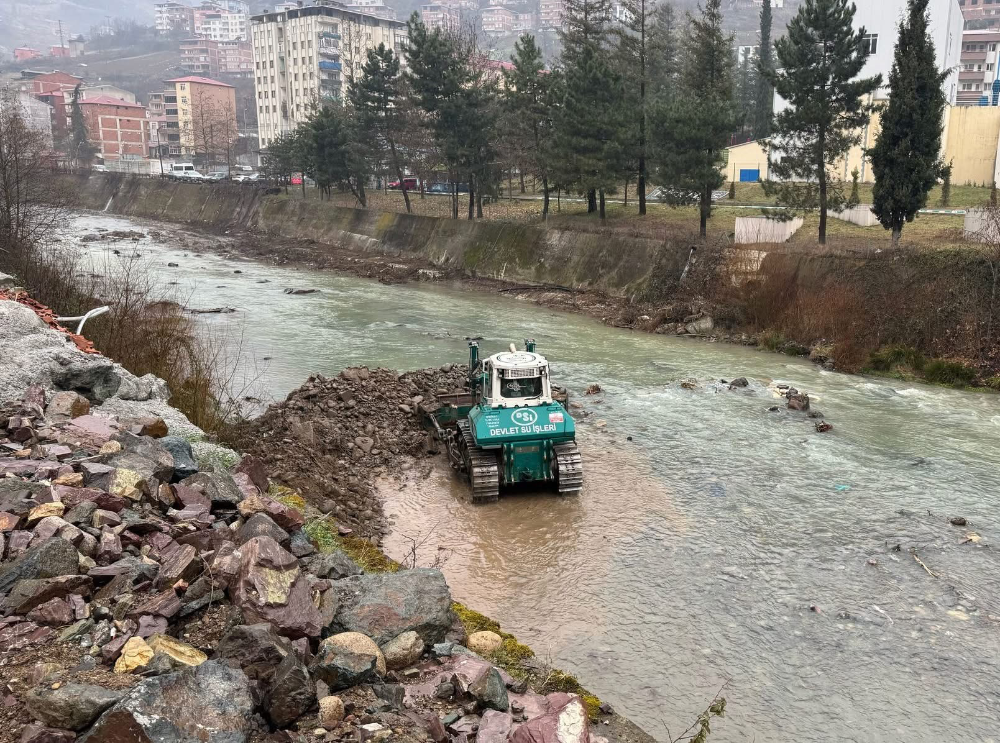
[(206, 117), (971, 143)]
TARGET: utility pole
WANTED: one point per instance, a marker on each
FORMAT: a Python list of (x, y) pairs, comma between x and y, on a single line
[(61, 44)]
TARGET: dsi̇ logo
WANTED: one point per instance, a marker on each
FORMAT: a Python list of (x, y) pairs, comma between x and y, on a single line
[(524, 417)]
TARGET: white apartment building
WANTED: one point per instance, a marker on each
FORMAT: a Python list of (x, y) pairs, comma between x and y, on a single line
[(305, 57), (979, 73), (880, 21), (498, 20), (373, 7), (445, 16), (551, 13)]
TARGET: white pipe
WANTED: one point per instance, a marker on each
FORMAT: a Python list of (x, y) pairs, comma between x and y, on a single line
[(83, 318)]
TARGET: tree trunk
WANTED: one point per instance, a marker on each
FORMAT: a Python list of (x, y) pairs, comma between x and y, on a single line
[(472, 197), (896, 234), (479, 203), (591, 201), (545, 199), (626, 194), (454, 196), (362, 196), (399, 174), (601, 197), (641, 180), (559, 200), (510, 184), (522, 180), (821, 165), (706, 208)]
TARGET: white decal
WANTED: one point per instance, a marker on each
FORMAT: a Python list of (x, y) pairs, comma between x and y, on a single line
[(524, 416)]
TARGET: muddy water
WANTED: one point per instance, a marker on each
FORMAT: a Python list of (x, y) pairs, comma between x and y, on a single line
[(722, 544)]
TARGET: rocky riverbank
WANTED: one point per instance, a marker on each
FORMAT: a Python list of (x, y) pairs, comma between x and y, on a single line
[(156, 587)]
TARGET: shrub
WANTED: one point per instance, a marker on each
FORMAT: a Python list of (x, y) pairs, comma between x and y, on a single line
[(892, 357), (772, 340), (952, 373)]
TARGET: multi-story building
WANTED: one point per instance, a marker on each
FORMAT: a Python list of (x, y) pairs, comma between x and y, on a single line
[(978, 71), (36, 114), (174, 17), (210, 57), (526, 22), (881, 20), (551, 13), (441, 15), (24, 53), (93, 90), (306, 56), (498, 20), (213, 21), (979, 9), (203, 118), (118, 129), (156, 106), (373, 7)]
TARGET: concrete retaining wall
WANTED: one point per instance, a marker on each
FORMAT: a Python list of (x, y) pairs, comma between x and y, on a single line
[(979, 227), (752, 230), (860, 215)]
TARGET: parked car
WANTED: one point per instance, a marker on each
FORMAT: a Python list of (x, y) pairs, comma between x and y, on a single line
[(216, 176), (246, 177), (447, 188), (191, 175), (99, 168), (410, 184)]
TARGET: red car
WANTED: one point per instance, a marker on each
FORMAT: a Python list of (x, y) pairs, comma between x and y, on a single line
[(410, 184)]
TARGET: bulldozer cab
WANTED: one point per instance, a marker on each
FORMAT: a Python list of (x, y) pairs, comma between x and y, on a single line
[(514, 379)]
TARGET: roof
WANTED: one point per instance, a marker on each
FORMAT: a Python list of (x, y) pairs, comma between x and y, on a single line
[(200, 80), (107, 100)]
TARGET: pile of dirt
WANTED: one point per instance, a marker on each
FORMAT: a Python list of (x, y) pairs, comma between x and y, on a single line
[(332, 437)]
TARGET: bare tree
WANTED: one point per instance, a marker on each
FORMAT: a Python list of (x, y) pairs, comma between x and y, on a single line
[(986, 242), (214, 131)]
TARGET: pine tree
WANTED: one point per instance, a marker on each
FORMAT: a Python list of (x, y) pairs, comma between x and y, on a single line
[(905, 156), (818, 66), (528, 98), (377, 96), (83, 150), (588, 142), (764, 95), (662, 61), (330, 136), (633, 51), (694, 128)]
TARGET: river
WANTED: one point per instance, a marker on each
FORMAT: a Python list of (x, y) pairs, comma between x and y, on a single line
[(720, 544)]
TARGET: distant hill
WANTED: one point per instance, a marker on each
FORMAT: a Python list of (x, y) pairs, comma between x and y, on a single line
[(36, 22)]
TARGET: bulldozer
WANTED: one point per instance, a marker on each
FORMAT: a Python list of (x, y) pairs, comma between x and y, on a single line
[(509, 427)]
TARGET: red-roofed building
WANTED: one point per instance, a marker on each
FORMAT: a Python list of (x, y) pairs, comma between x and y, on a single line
[(118, 129), (206, 117), (23, 53)]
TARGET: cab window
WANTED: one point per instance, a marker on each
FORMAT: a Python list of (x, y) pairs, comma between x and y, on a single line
[(523, 387)]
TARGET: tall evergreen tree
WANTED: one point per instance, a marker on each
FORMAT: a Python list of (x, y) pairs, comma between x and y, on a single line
[(818, 66), (331, 136), (588, 135), (83, 150), (662, 59), (905, 156), (694, 128), (376, 96), (528, 97), (764, 95), (634, 48)]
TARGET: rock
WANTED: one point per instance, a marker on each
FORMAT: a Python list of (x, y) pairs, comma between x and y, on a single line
[(209, 703), (135, 653), (81, 513), (300, 291), (109, 548), (183, 456), (494, 727), (823, 427), (340, 668), (254, 469), (797, 401), (179, 653), (331, 711), (958, 521), (701, 326), (150, 625), (40, 734), (285, 517), (163, 604), (444, 690), (107, 501), (385, 605), (182, 564), (291, 693), (151, 426), (261, 525), (484, 642), (489, 691), (355, 642), (269, 587), (53, 613), (465, 725), (25, 595), (257, 648), (9, 521), (299, 545), (72, 706), (89, 430), (127, 483), (66, 405), (333, 565), (56, 508), (403, 651), (738, 383), (565, 722), (218, 486), (392, 694)]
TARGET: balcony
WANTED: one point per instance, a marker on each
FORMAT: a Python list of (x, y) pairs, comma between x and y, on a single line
[(329, 51), (324, 65), (330, 35)]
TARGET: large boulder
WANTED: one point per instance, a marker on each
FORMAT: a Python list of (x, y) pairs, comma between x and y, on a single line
[(144, 455), (385, 605), (291, 693), (71, 705), (565, 722), (489, 691), (180, 450), (341, 669), (494, 727), (270, 587), (355, 642), (211, 702), (27, 594), (50, 559), (220, 487), (333, 565), (403, 651)]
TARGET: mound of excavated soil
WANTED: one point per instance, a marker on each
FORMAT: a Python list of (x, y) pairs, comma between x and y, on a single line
[(331, 438)]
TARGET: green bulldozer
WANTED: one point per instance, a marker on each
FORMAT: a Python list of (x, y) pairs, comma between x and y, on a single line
[(510, 427)]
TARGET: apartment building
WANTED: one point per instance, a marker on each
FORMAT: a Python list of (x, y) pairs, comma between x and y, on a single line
[(978, 71), (212, 21), (373, 7), (173, 16), (526, 22), (203, 57), (551, 13), (305, 56), (201, 119), (93, 90), (118, 129), (445, 16), (36, 114), (498, 20), (977, 9)]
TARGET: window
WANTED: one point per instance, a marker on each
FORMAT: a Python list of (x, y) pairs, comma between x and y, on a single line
[(989, 66), (978, 87), (993, 47), (183, 87), (869, 44), (184, 99)]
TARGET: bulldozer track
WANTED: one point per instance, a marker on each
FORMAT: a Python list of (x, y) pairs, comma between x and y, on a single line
[(481, 467), (569, 465)]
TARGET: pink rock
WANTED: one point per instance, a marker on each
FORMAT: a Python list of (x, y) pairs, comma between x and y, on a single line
[(245, 484), (566, 722), (254, 469), (41, 734), (164, 604), (8, 521), (74, 496), (23, 635), (182, 564), (110, 547), (49, 527), (19, 541), (189, 497), (53, 613), (494, 727), (150, 625), (81, 609)]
